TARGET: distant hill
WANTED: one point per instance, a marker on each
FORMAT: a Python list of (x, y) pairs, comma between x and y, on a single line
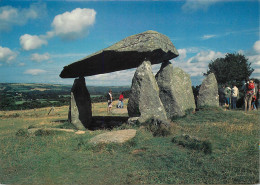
[(24, 87)]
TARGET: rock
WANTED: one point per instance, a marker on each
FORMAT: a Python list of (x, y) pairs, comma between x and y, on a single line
[(175, 90), (208, 93), (125, 54), (132, 120), (119, 136), (144, 101), (47, 131), (80, 114)]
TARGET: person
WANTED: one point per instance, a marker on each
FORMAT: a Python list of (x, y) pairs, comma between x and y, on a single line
[(253, 107), (109, 101), (258, 96), (249, 88), (221, 93), (121, 99), (227, 92), (234, 96)]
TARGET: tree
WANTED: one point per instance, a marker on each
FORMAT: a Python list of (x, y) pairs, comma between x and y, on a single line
[(233, 69)]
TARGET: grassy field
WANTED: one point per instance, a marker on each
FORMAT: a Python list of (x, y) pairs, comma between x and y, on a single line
[(68, 158)]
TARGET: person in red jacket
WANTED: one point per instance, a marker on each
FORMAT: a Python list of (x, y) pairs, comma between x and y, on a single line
[(121, 99)]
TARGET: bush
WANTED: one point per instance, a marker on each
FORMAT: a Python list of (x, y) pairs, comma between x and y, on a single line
[(42, 132), (193, 143), (158, 127), (22, 132)]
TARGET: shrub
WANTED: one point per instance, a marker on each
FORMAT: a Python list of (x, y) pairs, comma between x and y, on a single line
[(158, 127), (22, 132), (42, 132), (193, 143)]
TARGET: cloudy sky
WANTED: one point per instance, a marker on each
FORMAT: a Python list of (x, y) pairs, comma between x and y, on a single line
[(38, 38)]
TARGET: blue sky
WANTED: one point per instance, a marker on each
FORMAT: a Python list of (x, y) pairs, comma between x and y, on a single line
[(38, 38)]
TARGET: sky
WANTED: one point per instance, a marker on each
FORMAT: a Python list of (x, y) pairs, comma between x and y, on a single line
[(39, 38)]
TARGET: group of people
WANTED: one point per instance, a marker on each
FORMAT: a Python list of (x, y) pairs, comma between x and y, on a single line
[(110, 101), (228, 96)]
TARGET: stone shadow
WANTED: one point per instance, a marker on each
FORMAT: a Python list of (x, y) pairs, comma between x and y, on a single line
[(106, 122)]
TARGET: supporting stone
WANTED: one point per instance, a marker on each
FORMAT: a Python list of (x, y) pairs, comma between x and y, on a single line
[(144, 101), (208, 93), (80, 114), (175, 90)]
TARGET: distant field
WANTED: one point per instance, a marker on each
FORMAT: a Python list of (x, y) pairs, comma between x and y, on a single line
[(68, 158), (28, 96)]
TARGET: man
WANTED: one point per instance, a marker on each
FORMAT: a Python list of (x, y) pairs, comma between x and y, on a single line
[(234, 96), (227, 92), (109, 101)]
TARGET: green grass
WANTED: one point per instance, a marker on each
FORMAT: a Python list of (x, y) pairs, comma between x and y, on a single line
[(67, 158)]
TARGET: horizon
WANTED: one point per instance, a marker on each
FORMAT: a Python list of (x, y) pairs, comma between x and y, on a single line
[(39, 38)]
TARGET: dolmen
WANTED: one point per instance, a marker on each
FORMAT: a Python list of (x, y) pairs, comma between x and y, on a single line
[(160, 97)]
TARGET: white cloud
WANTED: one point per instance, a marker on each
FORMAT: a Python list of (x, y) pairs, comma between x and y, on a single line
[(10, 16), (68, 26), (120, 77), (21, 64), (198, 64), (205, 37), (40, 57), (34, 72), (194, 5), (6, 55), (30, 42), (257, 46), (74, 24), (182, 54)]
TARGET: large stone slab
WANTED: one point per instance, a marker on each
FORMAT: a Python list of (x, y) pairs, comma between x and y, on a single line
[(208, 93), (119, 136), (80, 114), (175, 90), (144, 101), (127, 53)]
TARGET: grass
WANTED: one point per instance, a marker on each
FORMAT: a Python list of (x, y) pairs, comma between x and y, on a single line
[(68, 158)]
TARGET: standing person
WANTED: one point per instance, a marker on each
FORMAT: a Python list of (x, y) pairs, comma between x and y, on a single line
[(234, 96), (109, 101), (249, 92), (227, 92), (221, 93), (253, 107), (121, 99), (258, 96)]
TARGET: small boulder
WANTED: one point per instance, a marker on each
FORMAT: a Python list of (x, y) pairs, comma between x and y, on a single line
[(208, 93), (144, 101), (119, 136), (175, 90)]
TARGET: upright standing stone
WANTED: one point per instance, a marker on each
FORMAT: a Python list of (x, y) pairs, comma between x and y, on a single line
[(80, 114), (208, 93), (144, 101), (175, 90)]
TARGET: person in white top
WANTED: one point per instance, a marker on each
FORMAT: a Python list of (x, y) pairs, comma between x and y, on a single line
[(109, 101), (234, 96)]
